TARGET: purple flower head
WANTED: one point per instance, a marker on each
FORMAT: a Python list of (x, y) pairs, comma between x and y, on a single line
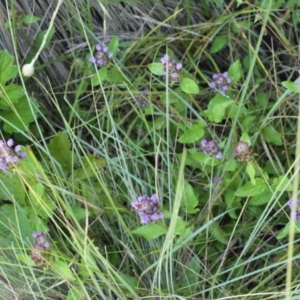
[(171, 68), (147, 208), (39, 253), (211, 148), (8, 154), (295, 214), (243, 151), (101, 56), (141, 99), (220, 82)]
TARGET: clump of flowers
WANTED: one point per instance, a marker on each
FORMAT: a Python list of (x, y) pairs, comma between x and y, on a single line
[(243, 151), (147, 208), (220, 82), (296, 213), (141, 101), (171, 68), (211, 148), (101, 56), (39, 253), (8, 154)]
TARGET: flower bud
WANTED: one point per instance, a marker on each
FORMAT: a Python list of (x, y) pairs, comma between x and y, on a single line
[(28, 70)]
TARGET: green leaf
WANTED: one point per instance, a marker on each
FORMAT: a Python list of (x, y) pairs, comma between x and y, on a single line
[(7, 69), (189, 86), (78, 213), (99, 77), (282, 183), (63, 270), (218, 44), (11, 187), (76, 293), (39, 39), (114, 45), (250, 169), (90, 166), (218, 233), (156, 69), (262, 198), (271, 136), (193, 134), (18, 117), (292, 86), (249, 190), (42, 204), (29, 19), (180, 226), (285, 231), (60, 149), (190, 200), (150, 231), (216, 108), (10, 94), (235, 71), (232, 202)]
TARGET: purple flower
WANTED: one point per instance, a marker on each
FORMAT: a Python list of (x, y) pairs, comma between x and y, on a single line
[(8, 154), (220, 82), (243, 151), (211, 148), (101, 56), (147, 208), (141, 100), (295, 214), (171, 68), (39, 253)]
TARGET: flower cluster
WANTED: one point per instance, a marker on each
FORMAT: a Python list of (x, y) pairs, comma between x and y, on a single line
[(101, 56), (211, 148), (8, 154), (141, 101), (296, 213), (171, 68), (243, 151), (220, 82), (147, 208), (38, 253)]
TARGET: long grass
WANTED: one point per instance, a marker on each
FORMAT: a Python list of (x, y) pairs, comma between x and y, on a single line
[(228, 248)]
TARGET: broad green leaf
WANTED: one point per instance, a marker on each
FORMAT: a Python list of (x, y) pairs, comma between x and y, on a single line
[(150, 231), (60, 149), (282, 183), (7, 69), (250, 169), (271, 136), (285, 231), (218, 233), (292, 86), (156, 69), (29, 19), (235, 71), (249, 190), (11, 187), (218, 44), (262, 198), (90, 166), (10, 94), (40, 37), (18, 117), (217, 107), (189, 86), (63, 270), (180, 226), (190, 200), (79, 213), (193, 134), (41, 203), (76, 293), (99, 77)]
